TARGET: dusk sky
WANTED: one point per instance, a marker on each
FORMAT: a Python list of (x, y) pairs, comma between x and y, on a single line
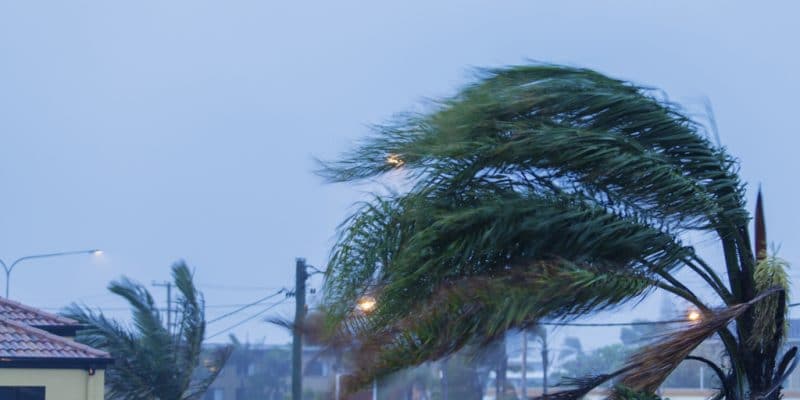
[(167, 130)]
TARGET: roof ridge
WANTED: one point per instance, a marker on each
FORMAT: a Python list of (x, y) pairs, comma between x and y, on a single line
[(64, 320), (62, 340)]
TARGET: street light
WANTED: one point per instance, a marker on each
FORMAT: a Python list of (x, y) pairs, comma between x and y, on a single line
[(367, 304), (395, 160), (10, 268)]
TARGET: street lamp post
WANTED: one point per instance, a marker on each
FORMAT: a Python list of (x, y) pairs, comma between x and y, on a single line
[(9, 268), (367, 304)]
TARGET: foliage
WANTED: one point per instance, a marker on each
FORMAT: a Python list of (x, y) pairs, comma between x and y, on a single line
[(263, 374), (548, 192), (637, 335), (152, 360), (626, 393), (600, 360)]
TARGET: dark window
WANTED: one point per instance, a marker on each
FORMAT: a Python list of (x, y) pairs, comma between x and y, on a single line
[(21, 393)]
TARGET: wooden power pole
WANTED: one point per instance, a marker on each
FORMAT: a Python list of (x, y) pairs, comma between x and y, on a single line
[(297, 340)]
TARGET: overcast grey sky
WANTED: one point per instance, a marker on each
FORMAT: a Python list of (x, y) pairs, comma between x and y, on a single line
[(161, 130)]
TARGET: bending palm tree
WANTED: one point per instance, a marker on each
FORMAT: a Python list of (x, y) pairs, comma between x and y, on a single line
[(153, 361), (546, 192)]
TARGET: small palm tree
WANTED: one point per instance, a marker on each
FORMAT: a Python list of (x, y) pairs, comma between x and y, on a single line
[(151, 360), (550, 193)]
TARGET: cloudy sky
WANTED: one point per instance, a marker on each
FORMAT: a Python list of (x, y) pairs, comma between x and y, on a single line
[(167, 130)]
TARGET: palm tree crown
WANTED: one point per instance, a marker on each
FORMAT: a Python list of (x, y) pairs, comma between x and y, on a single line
[(548, 192), (151, 360)]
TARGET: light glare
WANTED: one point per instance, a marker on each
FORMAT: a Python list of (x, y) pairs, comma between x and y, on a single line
[(366, 304), (394, 160)]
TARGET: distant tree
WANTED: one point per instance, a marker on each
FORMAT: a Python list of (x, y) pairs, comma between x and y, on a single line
[(572, 350), (594, 362), (152, 360), (463, 381), (639, 335), (265, 373)]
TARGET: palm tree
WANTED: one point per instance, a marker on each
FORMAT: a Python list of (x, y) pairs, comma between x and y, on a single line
[(550, 193), (151, 360)]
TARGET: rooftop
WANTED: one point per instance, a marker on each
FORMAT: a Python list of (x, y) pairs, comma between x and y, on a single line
[(13, 311), (23, 344)]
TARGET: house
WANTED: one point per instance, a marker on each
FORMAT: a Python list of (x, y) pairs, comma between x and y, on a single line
[(263, 372), (40, 361)]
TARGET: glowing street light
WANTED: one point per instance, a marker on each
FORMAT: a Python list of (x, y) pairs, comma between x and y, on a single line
[(394, 160), (10, 268), (366, 304)]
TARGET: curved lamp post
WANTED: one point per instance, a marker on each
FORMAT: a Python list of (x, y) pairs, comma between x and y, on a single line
[(9, 268)]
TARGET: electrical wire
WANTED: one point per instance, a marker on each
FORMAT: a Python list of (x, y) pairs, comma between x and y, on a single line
[(246, 306), (673, 321), (248, 319)]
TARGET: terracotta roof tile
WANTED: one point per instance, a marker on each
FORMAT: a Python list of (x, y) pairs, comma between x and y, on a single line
[(13, 311), (18, 340)]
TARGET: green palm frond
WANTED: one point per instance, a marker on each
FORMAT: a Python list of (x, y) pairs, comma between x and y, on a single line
[(416, 245), (568, 129)]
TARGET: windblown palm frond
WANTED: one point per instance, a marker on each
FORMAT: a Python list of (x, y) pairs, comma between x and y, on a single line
[(539, 192), (153, 361)]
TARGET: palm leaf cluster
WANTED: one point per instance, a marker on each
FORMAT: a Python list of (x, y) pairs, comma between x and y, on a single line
[(152, 360), (547, 193)]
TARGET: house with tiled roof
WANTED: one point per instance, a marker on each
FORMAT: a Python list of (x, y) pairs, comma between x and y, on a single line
[(40, 361)]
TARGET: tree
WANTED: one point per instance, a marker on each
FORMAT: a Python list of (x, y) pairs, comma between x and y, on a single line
[(265, 372), (595, 362), (152, 360), (638, 335), (550, 192)]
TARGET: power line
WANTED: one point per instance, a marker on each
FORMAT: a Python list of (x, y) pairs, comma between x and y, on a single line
[(633, 323), (125, 308), (674, 321), (248, 319), (212, 286), (246, 306)]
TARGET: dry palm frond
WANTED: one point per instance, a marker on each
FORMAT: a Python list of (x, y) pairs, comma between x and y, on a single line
[(653, 364), (582, 386)]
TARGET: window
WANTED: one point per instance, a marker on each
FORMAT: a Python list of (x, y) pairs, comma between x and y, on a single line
[(21, 393)]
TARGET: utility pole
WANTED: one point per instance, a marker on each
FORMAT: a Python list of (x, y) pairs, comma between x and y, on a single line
[(167, 285), (445, 383), (297, 340), (545, 362), (524, 364)]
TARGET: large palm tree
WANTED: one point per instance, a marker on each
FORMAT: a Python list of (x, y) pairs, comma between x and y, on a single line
[(550, 193), (153, 361)]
